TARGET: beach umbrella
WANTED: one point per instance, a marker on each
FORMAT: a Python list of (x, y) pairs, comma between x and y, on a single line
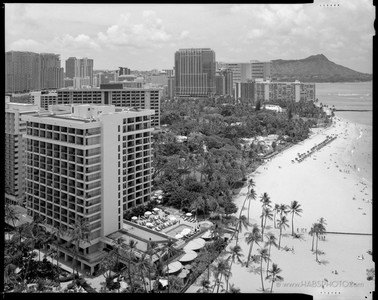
[(179, 236), (172, 218), (189, 255), (147, 213), (195, 244), (185, 231), (160, 197), (156, 209), (183, 273), (148, 224), (174, 267), (134, 218), (188, 214), (207, 235)]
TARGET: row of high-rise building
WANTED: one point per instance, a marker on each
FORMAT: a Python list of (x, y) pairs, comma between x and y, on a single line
[(80, 71), (265, 91), (27, 71)]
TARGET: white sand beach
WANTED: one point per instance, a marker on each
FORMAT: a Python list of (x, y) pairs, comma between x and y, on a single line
[(327, 184)]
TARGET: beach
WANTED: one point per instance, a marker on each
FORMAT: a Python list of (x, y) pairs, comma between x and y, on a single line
[(334, 183)]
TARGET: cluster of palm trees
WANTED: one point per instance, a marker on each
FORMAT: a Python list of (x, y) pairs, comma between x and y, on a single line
[(317, 230), (23, 240), (255, 235)]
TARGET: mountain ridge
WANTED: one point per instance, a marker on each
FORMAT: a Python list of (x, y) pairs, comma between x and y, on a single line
[(315, 68)]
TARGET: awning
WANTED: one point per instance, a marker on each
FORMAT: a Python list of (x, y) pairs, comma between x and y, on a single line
[(196, 244), (174, 267), (148, 224), (188, 214), (172, 218), (189, 255), (156, 209), (147, 213), (207, 235), (134, 218)]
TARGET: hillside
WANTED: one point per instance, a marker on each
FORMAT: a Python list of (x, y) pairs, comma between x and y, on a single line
[(315, 68)]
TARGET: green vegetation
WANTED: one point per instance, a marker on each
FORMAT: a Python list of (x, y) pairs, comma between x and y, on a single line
[(203, 170)]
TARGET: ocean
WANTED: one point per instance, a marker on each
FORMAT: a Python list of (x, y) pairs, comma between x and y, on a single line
[(354, 96)]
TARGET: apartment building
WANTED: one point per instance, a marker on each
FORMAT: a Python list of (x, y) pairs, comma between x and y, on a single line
[(15, 158), (261, 69), (134, 97), (285, 91), (195, 72), (89, 162)]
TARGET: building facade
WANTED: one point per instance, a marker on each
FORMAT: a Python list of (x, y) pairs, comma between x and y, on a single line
[(195, 72), (52, 76), (80, 68), (22, 71), (261, 70), (285, 91), (139, 98), (15, 147), (87, 162)]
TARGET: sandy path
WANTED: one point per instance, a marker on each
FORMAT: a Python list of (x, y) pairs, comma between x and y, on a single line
[(323, 191)]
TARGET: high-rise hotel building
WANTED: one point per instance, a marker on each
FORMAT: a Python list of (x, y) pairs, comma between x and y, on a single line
[(15, 158), (195, 72), (27, 71), (80, 68), (140, 98), (89, 162)]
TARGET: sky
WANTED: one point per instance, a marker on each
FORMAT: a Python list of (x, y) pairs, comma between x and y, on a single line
[(146, 36)]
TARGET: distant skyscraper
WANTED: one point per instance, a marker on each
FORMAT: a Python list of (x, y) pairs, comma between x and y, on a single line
[(123, 71), (71, 67), (22, 71), (224, 82), (195, 72), (51, 71), (80, 68)]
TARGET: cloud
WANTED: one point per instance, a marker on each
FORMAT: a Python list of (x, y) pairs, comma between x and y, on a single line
[(149, 33)]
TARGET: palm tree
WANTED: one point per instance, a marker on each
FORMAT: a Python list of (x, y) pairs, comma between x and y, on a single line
[(283, 209), (295, 208), (170, 251), (312, 233), (272, 240), (265, 200), (250, 195), (221, 268), (282, 224), (10, 215), (319, 230), (56, 234), (151, 246), (266, 214), (205, 285), (275, 209), (235, 254), (273, 276), (252, 237), (130, 258), (263, 257), (78, 234), (240, 223)]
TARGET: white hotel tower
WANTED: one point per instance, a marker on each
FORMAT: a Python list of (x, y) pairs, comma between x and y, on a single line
[(88, 161)]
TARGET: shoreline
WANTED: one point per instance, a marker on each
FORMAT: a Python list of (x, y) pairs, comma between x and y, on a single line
[(325, 186)]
